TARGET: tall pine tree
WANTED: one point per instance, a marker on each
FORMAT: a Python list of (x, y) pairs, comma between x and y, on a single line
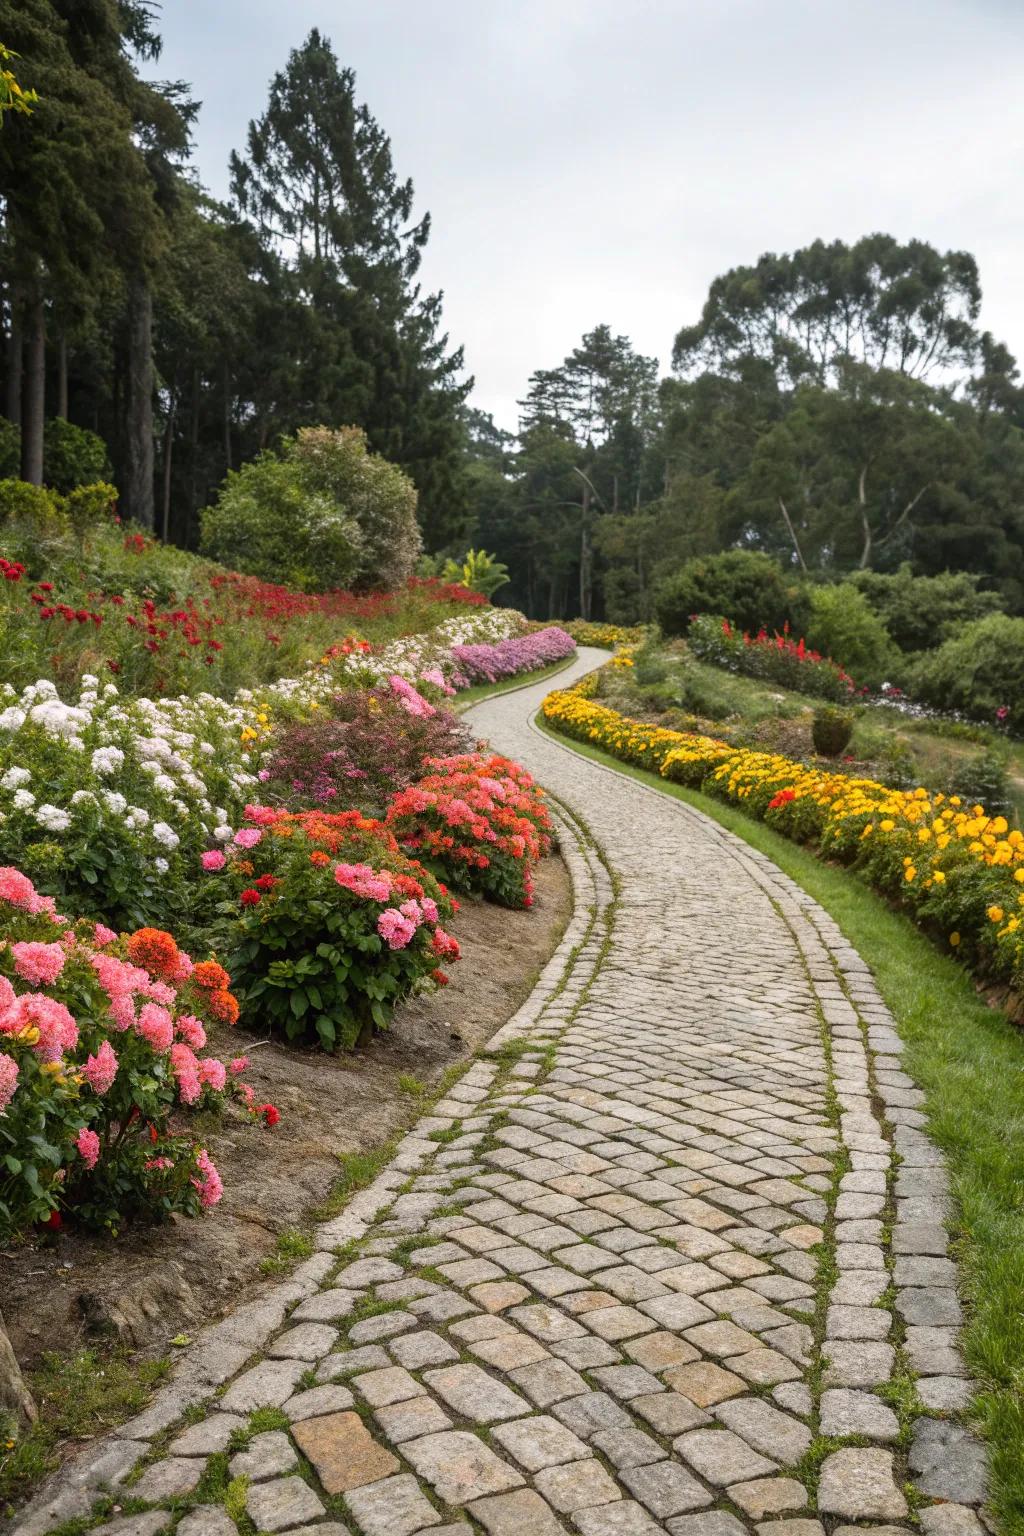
[(318, 181)]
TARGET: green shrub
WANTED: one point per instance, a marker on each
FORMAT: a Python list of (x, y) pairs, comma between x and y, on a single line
[(979, 672), (268, 523), (749, 588), (324, 514), (831, 730), (378, 495), (920, 610), (983, 781), (843, 625), (87, 506), (30, 510), (73, 456)]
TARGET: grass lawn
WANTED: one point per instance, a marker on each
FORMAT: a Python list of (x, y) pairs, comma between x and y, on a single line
[(969, 1060)]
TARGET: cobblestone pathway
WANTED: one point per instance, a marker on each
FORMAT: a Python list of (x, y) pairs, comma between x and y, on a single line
[(646, 1268)]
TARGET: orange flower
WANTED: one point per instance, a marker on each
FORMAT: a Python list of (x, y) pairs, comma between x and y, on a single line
[(224, 1006), (155, 950), (318, 858), (209, 974)]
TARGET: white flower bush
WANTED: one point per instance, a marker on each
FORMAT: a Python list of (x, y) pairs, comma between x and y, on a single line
[(134, 789)]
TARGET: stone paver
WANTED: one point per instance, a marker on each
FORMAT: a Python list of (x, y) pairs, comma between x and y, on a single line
[(588, 1307)]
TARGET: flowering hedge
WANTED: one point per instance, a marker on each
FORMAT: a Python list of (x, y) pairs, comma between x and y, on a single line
[(331, 924), (777, 659), (607, 637), (524, 653), (955, 868), (478, 820), (102, 1040)]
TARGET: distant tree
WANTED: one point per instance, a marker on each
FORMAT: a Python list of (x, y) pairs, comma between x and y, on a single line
[(905, 308)]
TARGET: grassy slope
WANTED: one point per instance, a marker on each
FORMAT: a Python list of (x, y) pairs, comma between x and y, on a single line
[(969, 1060)]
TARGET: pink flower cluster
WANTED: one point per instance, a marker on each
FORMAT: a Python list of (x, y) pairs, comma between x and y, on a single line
[(39, 964), (8, 1079), (411, 701), (361, 880), (524, 653)]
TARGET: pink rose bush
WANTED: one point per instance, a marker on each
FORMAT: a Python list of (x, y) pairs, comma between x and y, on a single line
[(99, 1059)]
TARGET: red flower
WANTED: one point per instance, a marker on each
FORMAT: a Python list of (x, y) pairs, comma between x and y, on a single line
[(250, 897), (54, 1221), (267, 882), (270, 1112)]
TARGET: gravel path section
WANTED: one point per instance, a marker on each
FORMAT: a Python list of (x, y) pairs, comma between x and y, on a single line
[(670, 1256)]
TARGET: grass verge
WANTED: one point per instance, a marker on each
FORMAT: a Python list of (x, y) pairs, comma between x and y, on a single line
[(78, 1398), (969, 1060)]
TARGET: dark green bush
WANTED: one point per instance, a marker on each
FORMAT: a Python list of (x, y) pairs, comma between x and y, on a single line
[(73, 456), (920, 611), (749, 588), (831, 730), (984, 781)]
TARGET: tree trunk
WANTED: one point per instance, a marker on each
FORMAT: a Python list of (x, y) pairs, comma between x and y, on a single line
[(62, 377), (227, 417), (792, 534), (137, 492), (172, 411), (586, 555), (15, 350), (865, 554), (33, 405)]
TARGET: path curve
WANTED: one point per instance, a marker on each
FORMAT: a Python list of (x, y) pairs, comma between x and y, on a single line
[(588, 1293)]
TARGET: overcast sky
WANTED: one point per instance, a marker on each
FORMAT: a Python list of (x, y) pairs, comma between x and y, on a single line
[(590, 161)]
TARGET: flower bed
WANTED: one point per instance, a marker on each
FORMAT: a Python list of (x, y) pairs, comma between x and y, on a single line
[(606, 637), (956, 869), (108, 802), (331, 924), (478, 820), (777, 659), (161, 621), (101, 1047), (508, 658)]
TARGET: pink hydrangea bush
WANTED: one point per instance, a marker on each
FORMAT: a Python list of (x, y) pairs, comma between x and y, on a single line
[(331, 924), (508, 658), (101, 1053)]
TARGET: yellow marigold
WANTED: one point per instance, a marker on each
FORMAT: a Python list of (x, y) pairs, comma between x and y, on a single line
[(887, 825), (954, 939), (995, 914), (910, 873), (939, 877)]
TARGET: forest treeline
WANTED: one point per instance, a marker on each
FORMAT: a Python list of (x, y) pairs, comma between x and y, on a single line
[(839, 408)]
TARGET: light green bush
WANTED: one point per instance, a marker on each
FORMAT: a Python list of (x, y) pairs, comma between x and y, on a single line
[(979, 672), (269, 523), (843, 625), (325, 513)]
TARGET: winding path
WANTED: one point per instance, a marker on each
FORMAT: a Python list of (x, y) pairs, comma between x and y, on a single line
[(649, 1267)]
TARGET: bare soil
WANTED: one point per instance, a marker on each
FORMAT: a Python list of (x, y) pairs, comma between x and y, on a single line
[(145, 1287)]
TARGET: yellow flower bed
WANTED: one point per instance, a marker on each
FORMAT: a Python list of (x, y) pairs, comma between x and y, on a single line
[(959, 871), (607, 636)]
